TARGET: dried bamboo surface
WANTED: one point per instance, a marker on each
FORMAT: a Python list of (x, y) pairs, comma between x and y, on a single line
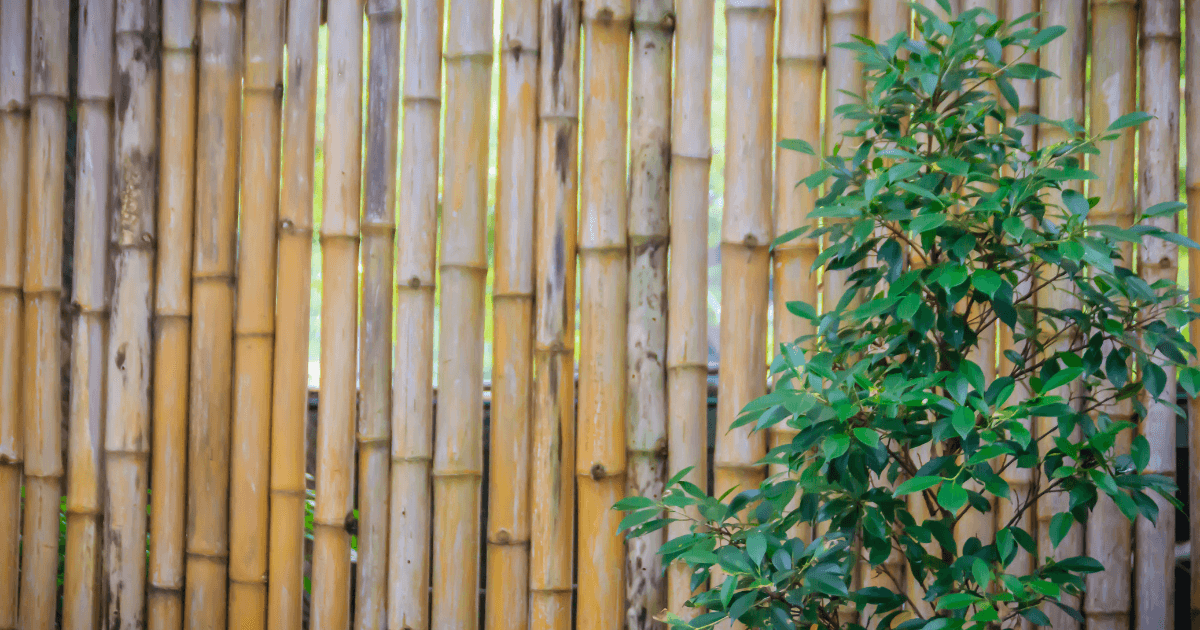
[(1192, 182), (687, 281), (41, 362)]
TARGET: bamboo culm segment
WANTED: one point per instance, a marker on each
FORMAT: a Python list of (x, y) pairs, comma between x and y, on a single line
[(1192, 180)]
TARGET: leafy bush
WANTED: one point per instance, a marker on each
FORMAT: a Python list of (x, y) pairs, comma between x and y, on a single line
[(904, 426)]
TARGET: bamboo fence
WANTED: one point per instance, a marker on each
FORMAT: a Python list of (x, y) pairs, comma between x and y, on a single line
[(158, 169)]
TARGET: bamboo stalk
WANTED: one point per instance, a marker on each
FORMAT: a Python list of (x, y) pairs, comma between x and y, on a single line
[(333, 514), (412, 385), (507, 604), (14, 125), (375, 335), (1158, 158), (1192, 183), (83, 571), (687, 281), (646, 345), (41, 407), (210, 395), (289, 398), (172, 314), (254, 326), (552, 465)]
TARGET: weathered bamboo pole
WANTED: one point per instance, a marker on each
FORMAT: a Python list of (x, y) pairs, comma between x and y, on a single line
[(375, 334), (172, 316), (1158, 181), (552, 465), (14, 125), (507, 603), (91, 283), (333, 514), (416, 273), (41, 408), (254, 326), (289, 397), (687, 281), (1192, 182), (646, 345), (210, 395)]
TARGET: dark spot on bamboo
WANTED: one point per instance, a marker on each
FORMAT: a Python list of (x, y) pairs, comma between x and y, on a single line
[(120, 360), (562, 154), (558, 37), (750, 241), (502, 537), (351, 524), (604, 15), (598, 471), (124, 89), (414, 282)]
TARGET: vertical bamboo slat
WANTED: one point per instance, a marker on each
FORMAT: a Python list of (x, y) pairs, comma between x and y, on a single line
[(210, 395), (41, 407), (254, 326), (1192, 183), (687, 281), (378, 230)]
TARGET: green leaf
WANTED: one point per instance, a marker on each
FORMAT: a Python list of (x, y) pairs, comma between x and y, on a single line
[(756, 546), (1060, 526), (742, 604), (1075, 202), (955, 601), (1139, 452), (866, 436), (797, 145), (982, 574), (963, 421), (1130, 120), (1189, 379), (835, 446), (633, 503), (1165, 208), (1046, 35), (727, 589), (908, 307), (986, 281), (952, 496), (916, 484)]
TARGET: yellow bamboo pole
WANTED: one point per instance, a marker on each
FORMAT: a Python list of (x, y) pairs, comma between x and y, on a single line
[(1158, 159), (1192, 182), (212, 323), (412, 384), (375, 335), (1113, 90), (41, 407), (552, 465), (289, 398), (507, 603), (254, 326), (14, 125), (687, 281), (172, 314)]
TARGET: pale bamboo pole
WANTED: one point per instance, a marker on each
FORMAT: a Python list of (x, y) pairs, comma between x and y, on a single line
[(14, 125), (211, 392), (378, 230), (41, 407), (416, 273), (687, 281), (1192, 182), (289, 397), (507, 604), (646, 345), (85, 432), (1113, 92), (254, 326), (172, 315), (552, 457), (333, 513), (1158, 159)]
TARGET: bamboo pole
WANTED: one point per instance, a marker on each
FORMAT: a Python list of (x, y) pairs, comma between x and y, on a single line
[(412, 385), (172, 314), (83, 571), (1158, 159), (1113, 89), (333, 514), (507, 604), (14, 125), (375, 335), (212, 323), (1192, 183), (289, 397), (41, 350), (254, 326), (687, 280), (552, 465), (646, 345)]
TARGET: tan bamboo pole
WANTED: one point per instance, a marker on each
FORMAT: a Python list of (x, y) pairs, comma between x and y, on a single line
[(507, 604), (172, 315), (82, 572), (1158, 181), (1113, 89), (289, 397), (552, 456), (416, 272), (14, 125), (41, 407), (646, 345), (687, 280), (333, 513), (1192, 182), (212, 322), (254, 325), (375, 335)]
